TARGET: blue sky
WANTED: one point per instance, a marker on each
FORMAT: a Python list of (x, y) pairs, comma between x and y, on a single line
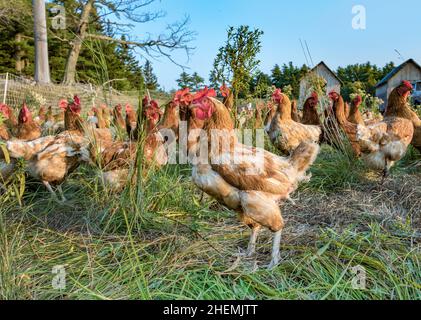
[(324, 24)]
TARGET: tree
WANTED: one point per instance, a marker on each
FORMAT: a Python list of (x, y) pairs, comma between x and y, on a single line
[(276, 76), (184, 81), (17, 37), (367, 74), (197, 81), (99, 61), (151, 81), (131, 71), (42, 67), (120, 16), (288, 74), (261, 84), (237, 60)]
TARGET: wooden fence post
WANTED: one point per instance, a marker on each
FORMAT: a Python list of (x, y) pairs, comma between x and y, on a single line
[(5, 87)]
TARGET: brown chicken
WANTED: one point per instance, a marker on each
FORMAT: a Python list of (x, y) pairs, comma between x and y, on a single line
[(398, 106), (310, 114), (106, 115), (380, 145), (285, 133), (294, 112), (115, 159), (251, 181), (54, 123), (171, 121), (118, 119), (4, 116), (271, 111), (51, 159), (228, 96), (258, 123), (40, 118), (131, 121), (355, 114), (27, 128), (6, 167), (11, 121)]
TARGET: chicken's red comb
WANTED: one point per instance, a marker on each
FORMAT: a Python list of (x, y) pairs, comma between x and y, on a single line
[(75, 106), (225, 91), (145, 101), (24, 113), (154, 104), (63, 103), (202, 94), (5, 110), (76, 101), (183, 97), (407, 84), (277, 95), (25, 108), (129, 108), (358, 100), (314, 95)]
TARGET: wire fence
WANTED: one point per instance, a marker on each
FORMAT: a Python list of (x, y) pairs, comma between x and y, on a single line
[(14, 90)]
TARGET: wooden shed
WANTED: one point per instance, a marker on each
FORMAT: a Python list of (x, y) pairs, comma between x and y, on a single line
[(409, 70), (333, 83)]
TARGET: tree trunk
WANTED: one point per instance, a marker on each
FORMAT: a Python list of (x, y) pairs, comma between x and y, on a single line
[(19, 62), (70, 71), (42, 68)]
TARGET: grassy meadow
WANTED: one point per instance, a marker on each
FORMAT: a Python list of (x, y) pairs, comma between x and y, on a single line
[(163, 240)]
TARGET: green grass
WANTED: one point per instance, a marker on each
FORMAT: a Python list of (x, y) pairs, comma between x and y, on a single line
[(172, 245)]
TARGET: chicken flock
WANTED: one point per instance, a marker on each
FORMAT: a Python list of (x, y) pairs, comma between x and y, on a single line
[(251, 181)]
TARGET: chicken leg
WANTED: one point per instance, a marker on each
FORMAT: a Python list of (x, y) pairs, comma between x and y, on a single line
[(253, 238), (49, 188), (275, 250)]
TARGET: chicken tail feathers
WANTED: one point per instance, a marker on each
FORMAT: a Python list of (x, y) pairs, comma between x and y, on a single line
[(304, 156)]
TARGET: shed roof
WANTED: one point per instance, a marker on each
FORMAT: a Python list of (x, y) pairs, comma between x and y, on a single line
[(396, 70), (322, 63)]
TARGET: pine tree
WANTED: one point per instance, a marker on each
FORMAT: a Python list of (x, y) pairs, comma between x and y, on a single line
[(197, 81), (184, 81), (276, 76), (151, 81)]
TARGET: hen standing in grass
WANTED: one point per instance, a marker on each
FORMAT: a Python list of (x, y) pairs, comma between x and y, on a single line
[(398, 106), (27, 128), (228, 96), (285, 133), (6, 167), (4, 116), (131, 121), (251, 181), (380, 145), (115, 159), (51, 159), (310, 115), (118, 119)]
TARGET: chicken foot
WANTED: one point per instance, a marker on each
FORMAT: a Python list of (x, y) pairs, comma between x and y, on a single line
[(50, 189)]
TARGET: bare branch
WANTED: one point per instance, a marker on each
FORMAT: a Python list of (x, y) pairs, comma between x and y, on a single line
[(177, 37)]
